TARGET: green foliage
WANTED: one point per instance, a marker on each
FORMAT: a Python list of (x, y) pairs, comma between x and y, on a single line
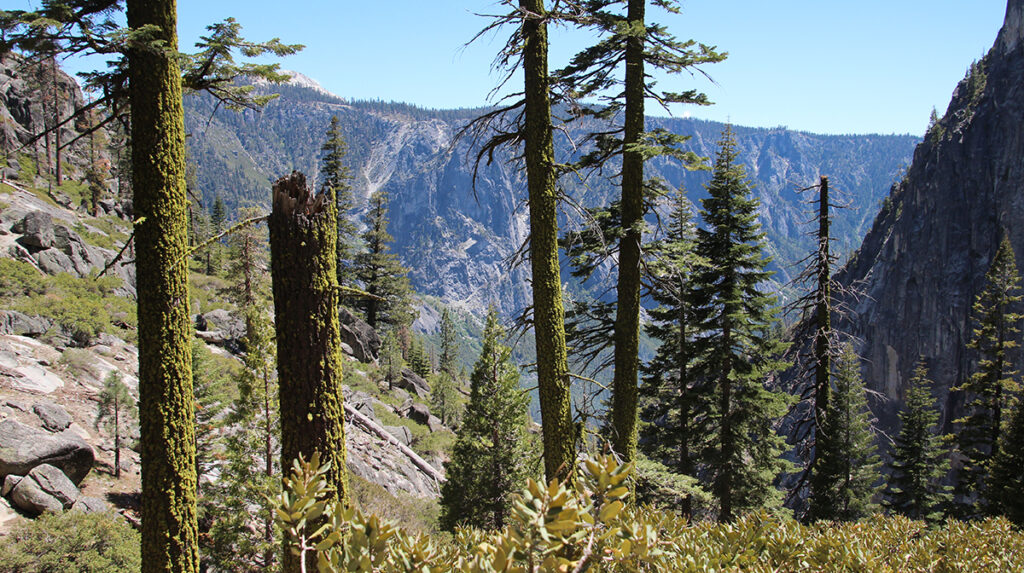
[(675, 402), (115, 411), (445, 399), (594, 527), (919, 461), (737, 349), (417, 358), (391, 359), (846, 476), (71, 541), (82, 307), (381, 272), (448, 362), (1007, 476), (491, 459), (988, 390), (336, 184)]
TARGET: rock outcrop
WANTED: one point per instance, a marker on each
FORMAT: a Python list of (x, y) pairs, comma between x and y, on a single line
[(925, 258), (22, 448)]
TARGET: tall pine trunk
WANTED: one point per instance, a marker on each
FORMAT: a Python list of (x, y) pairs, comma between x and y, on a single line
[(303, 236), (627, 316), (169, 529), (823, 310), (548, 313)]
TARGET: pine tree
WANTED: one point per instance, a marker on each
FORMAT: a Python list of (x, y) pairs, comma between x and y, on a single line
[(919, 462), (737, 350), (448, 362), (846, 476), (391, 359), (249, 476), (380, 271), (1007, 480), (988, 390), (336, 177), (218, 219), (528, 122), (676, 403), (491, 459), (116, 410), (208, 390), (444, 398), (169, 528), (630, 44), (417, 359)]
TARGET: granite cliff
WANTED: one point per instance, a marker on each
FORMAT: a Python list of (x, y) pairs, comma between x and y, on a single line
[(924, 259)]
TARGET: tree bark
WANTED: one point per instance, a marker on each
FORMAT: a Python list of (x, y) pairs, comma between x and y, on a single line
[(169, 528), (548, 312), (303, 236), (627, 314)]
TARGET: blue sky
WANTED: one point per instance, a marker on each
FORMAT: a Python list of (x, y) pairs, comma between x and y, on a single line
[(827, 66)]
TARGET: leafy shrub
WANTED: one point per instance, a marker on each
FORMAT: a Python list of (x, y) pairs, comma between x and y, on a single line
[(84, 307), (71, 541), (590, 527)]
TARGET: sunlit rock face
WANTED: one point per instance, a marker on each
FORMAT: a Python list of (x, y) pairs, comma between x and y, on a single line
[(924, 261)]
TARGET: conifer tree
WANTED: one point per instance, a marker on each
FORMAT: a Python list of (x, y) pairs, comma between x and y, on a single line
[(391, 359), (218, 219), (846, 476), (448, 363), (527, 122), (630, 44), (336, 176), (208, 390), (169, 526), (1006, 483), (675, 401), (380, 271), (988, 390), (116, 410), (249, 476), (444, 398), (737, 350), (491, 459), (149, 75), (919, 462), (417, 358)]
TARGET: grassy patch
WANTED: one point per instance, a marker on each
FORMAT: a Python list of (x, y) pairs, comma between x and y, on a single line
[(415, 514)]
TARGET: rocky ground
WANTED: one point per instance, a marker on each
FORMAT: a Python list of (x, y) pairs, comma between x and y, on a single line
[(53, 457)]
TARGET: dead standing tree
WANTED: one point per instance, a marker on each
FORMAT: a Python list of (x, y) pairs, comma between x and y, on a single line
[(303, 237)]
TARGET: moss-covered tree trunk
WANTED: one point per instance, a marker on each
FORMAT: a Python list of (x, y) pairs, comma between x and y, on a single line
[(303, 236), (548, 313), (169, 529), (627, 316)]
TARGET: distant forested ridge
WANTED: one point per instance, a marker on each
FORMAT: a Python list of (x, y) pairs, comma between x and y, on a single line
[(456, 240)]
